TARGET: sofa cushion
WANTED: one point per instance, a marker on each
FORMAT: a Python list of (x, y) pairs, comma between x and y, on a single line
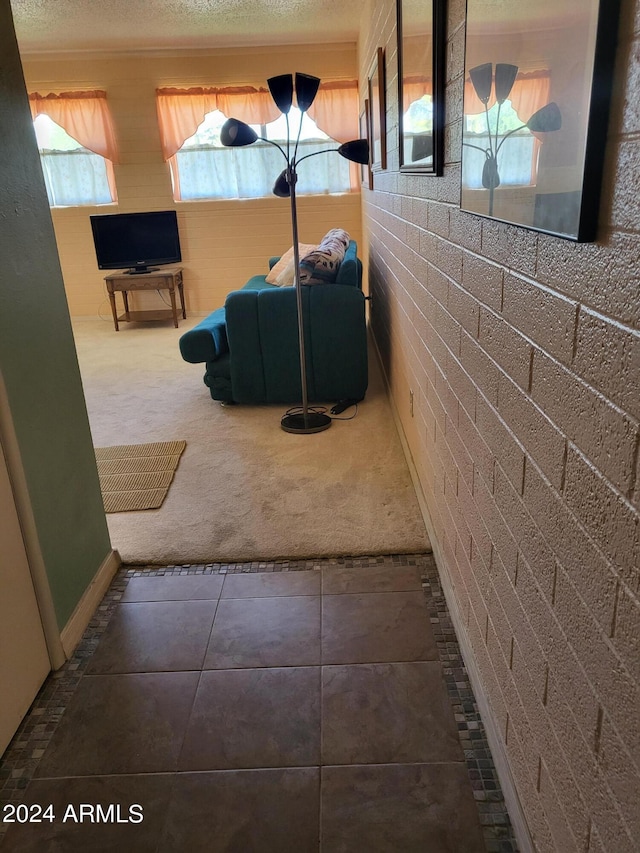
[(287, 276), (281, 265), (321, 265)]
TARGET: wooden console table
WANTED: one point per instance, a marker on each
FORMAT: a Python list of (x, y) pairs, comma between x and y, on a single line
[(165, 278)]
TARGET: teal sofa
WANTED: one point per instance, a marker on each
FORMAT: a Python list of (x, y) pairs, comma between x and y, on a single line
[(250, 347)]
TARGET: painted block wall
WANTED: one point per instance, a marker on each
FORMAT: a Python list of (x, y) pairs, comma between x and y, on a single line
[(38, 359), (225, 241), (523, 355)]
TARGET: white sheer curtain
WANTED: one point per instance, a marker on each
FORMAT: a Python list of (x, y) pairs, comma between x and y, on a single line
[(251, 172), (75, 178), (515, 163)]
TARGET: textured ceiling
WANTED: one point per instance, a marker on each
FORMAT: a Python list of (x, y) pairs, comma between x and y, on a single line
[(138, 25)]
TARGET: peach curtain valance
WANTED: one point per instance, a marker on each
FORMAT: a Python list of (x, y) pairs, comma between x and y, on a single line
[(414, 88), (181, 111), (529, 93), (335, 109), (84, 115)]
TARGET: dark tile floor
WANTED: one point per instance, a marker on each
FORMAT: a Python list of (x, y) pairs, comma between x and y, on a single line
[(297, 710)]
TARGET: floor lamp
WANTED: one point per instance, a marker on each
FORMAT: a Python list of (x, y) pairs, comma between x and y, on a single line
[(237, 133)]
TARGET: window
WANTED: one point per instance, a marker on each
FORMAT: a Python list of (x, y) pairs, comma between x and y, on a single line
[(190, 121), (77, 147), (517, 156), (73, 175), (209, 170)]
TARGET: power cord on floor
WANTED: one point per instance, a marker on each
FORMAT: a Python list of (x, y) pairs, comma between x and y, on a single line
[(342, 406), (322, 410), (105, 305)]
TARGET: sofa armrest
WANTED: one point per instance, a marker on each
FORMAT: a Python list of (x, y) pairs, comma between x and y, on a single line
[(207, 341), (273, 261)]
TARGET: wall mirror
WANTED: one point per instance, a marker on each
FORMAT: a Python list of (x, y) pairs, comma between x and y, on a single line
[(365, 133), (536, 102), (378, 108), (421, 48)]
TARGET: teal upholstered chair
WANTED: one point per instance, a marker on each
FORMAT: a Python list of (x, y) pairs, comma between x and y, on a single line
[(250, 347)]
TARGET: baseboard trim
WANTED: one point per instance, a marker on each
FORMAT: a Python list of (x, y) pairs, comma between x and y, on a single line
[(498, 752), (72, 632)]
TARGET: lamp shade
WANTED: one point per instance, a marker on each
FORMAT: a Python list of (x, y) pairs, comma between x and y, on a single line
[(235, 133), (357, 151), (281, 187), (545, 119), (306, 88), (482, 78), (505, 78), (281, 88)]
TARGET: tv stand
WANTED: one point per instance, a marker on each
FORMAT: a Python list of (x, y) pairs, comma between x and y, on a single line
[(163, 278), (141, 270)]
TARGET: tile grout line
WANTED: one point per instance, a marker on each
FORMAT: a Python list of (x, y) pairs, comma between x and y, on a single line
[(195, 695)]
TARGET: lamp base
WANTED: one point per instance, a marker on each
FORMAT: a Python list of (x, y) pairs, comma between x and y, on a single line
[(301, 424)]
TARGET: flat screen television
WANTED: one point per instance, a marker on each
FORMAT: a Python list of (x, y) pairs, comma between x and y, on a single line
[(137, 242)]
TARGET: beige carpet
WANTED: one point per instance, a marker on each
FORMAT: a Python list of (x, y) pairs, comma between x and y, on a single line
[(137, 476), (244, 490)]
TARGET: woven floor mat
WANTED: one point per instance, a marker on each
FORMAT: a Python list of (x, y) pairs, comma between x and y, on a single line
[(137, 476)]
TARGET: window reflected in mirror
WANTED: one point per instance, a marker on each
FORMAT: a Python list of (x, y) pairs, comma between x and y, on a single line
[(536, 96)]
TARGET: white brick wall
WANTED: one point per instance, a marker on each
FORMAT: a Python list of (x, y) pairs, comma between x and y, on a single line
[(523, 355)]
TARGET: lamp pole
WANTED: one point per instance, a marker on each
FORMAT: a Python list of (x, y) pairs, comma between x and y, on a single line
[(236, 133), (292, 177)]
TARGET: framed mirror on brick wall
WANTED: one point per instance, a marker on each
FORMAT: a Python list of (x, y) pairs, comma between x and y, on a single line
[(378, 112), (537, 88), (421, 54)]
